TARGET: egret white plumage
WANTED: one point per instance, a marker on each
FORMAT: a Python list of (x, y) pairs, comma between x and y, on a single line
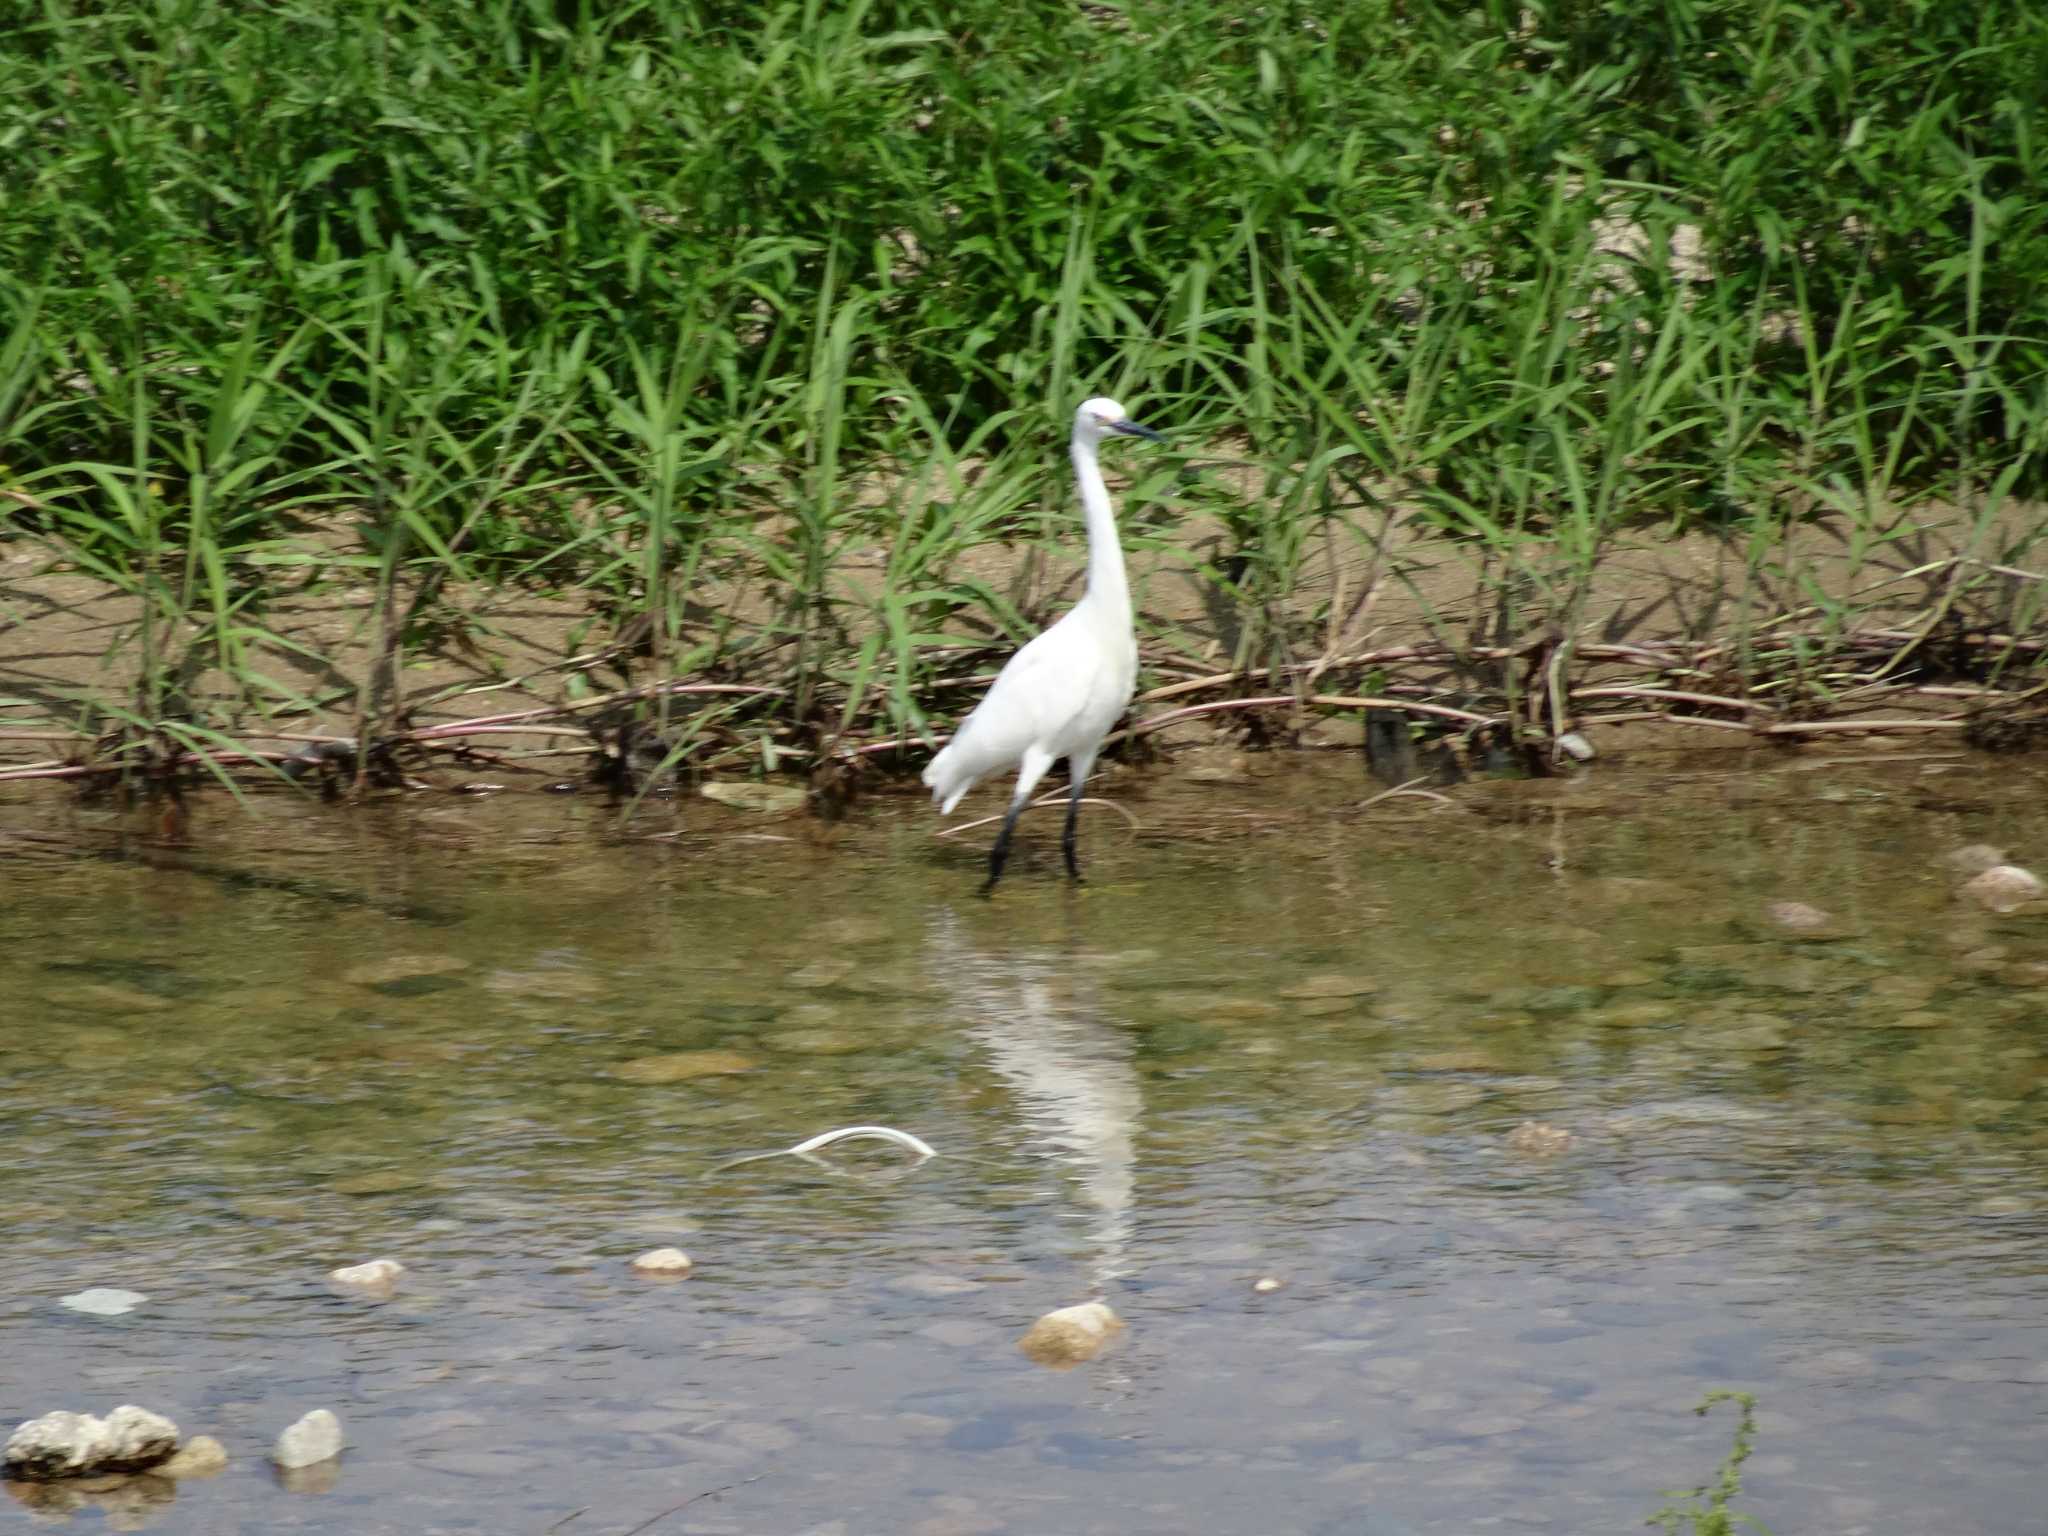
[(1059, 695)]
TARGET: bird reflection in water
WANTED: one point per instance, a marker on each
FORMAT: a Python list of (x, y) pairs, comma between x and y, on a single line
[(1067, 1067)]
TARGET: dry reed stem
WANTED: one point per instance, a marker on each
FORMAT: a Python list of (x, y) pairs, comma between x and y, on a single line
[(1057, 797)]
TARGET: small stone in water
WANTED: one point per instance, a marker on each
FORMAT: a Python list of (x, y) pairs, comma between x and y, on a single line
[(2004, 887), (377, 1274), (201, 1456), (103, 1301), (384, 1181), (1324, 1007), (316, 1437), (1539, 1138), (681, 1066), (936, 1284), (769, 799), (1265, 1285), (1071, 1334), (1638, 1015), (65, 1444), (1918, 1018), (396, 968), (672, 1262), (1974, 858), (817, 1042), (1330, 984), (1463, 1060), (1798, 917)]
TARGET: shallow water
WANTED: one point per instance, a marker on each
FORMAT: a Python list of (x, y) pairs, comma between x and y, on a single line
[(1275, 1036)]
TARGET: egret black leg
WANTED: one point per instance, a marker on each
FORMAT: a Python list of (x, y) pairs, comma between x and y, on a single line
[(999, 855), (1067, 837)]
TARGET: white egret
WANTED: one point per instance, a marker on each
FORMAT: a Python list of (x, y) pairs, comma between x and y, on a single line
[(1058, 696)]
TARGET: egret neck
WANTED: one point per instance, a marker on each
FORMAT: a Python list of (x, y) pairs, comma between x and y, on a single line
[(1107, 585)]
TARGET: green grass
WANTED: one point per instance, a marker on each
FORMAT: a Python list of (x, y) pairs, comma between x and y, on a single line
[(575, 295)]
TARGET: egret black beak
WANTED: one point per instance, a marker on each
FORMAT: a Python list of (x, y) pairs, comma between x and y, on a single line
[(1132, 429)]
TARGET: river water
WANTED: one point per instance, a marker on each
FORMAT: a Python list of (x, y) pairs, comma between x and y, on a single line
[(1544, 1121)]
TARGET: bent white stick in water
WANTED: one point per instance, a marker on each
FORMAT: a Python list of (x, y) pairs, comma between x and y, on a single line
[(823, 1139)]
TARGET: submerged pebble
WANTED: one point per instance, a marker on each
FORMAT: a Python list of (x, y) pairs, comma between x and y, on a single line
[(384, 1181), (1464, 1059), (1539, 1138), (768, 799), (681, 1066), (65, 1444), (1429, 1098), (1329, 984), (398, 968), (1974, 858), (1070, 1335), (817, 1042), (1802, 920), (936, 1284), (2004, 887), (1636, 1015), (314, 1438), (1917, 1018)]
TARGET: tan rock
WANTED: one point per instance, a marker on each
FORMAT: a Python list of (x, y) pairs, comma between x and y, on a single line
[(1071, 1334), (201, 1456)]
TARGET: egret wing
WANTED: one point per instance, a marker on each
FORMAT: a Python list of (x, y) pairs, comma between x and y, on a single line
[(1031, 699)]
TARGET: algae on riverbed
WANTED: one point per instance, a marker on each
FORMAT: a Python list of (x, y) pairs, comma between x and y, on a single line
[(1766, 1183)]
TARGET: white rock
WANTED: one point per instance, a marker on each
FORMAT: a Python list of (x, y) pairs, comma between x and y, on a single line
[(1070, 1334), (315, 1438), (77, 1444), (103, 1301), (663, 1261), (1576, 747), (376, 1275), (2004, 887), (1265, 1285)]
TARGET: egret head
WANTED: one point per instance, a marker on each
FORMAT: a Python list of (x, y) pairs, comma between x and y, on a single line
[(1103, 417)]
